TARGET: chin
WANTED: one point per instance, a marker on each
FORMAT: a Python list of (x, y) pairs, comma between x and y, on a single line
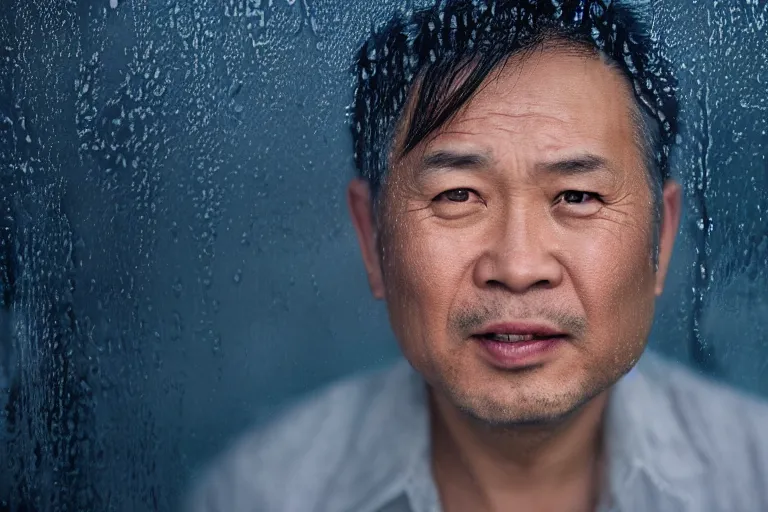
[(525, 405), (512, 415)]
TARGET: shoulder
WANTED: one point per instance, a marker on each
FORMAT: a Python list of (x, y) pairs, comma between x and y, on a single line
[(727, 427), (715, 406), (289, 463)]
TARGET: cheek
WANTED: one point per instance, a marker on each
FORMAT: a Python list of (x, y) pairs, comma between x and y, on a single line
[(614, 279), (413, 295), (423, 273)]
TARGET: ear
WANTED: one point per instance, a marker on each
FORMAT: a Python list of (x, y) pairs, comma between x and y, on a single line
[(670, 221), (360, 205)]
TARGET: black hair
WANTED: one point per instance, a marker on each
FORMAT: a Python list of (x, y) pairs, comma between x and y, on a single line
[(452, 48)]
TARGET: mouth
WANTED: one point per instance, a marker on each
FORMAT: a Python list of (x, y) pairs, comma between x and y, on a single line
[(516, 338), (518, 346)]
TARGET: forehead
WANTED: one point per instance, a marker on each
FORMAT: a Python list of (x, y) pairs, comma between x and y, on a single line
[(550, 101)]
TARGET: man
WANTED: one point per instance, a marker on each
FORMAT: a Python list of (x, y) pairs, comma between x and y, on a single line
[(514, 209)]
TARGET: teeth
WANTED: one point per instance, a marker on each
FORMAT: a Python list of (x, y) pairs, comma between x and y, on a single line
[(511, 338)]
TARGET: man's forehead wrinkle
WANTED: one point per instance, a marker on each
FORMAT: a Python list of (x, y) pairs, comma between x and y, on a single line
[(503, 80), (528, 114), (482, 122), (505, 108), (452, 130)]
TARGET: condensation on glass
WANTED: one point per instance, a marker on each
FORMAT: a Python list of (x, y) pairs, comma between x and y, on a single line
[(174, 245)]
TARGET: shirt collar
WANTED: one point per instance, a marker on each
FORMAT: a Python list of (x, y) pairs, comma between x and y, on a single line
[(389, 459), (649, 451), (650, 458)]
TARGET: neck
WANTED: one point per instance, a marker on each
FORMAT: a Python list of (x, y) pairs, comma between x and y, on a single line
[(553, 466)]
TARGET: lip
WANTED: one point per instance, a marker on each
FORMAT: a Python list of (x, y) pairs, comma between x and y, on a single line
[(535, 328), (519, 354)]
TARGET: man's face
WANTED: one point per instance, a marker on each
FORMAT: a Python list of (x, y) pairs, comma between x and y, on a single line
[(514, 246)]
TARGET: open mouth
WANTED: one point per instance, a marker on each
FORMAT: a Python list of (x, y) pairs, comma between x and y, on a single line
[(519, 345), (517, 338)]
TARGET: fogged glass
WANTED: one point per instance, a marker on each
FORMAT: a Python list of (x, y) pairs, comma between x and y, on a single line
[(175, 256)]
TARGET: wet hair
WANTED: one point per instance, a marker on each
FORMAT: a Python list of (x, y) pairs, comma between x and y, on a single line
[(451, 49)]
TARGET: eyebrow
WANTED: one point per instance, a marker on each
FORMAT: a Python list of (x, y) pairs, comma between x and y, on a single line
[(444, 159), (573, 166)]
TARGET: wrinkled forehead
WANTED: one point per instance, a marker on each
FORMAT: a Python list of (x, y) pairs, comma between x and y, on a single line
[(575, 97)]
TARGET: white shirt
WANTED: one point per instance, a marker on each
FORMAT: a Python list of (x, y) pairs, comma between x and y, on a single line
[(675, 442)]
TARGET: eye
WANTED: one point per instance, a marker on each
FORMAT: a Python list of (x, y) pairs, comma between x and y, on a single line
[(456, 195), (578, 203), (457, 203), (578, 196)]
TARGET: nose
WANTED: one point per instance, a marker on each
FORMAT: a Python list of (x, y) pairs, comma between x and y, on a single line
[(520, 255)]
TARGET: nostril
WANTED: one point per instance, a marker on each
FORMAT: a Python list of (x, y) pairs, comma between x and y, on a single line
[(542, 283)]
